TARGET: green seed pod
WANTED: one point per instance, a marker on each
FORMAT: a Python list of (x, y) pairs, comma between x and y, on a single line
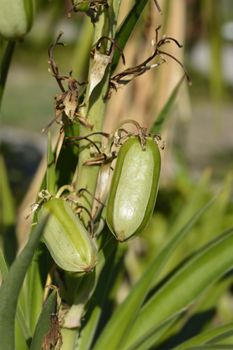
[(16, 17), (134, 188), (67, 240)]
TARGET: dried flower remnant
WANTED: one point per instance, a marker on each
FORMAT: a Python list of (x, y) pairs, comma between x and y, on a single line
[(92, 8), (53, 339), (101, 60), (67, 103), (126, 76)]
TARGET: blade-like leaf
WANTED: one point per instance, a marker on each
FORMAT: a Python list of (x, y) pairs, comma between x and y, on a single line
[(7, 216), (3, 266), (50, 172), (33, 288), (113, 261), (9, 291), (44, 322), (20, 340), (126, 29), (120, 323), (165, 112), (186, 285), (5, 62), (148, 339), (215, 334), (22, 332), (212, 347), (203, 310)]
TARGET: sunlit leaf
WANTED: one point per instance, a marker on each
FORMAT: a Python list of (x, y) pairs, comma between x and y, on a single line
[(120, 324), (44, 322), (50, 172), (166, 110), (216, 334), (10, 289), (127, 27), (7, 216), (187, 284)]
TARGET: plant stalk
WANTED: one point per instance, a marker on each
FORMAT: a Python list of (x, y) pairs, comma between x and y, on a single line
[(5, 65), (94, 108)]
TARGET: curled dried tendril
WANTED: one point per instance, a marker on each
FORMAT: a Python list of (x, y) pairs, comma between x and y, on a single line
[(105, 155), (127, 75)]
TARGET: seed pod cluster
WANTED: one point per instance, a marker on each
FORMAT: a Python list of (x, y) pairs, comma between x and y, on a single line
[(66, 238), (16, 17), (130, 205), (134, 187)]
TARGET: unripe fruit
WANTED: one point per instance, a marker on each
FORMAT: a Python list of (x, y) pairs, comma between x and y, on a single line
[(67, 240), (16, 17), (134, 188)]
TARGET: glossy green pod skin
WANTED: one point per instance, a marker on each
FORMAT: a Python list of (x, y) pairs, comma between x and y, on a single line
[(67, 240), (134, 188), (16, 17)]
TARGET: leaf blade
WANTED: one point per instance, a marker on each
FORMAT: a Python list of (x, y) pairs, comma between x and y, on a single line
[(10, 289), (126, 29), (215, 334), (164, 113), (121, 322), (206, 267), (43, 324), (7, 216)]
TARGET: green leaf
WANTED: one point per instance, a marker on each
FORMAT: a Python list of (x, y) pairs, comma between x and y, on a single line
[(44, 322), (3, 265), (20, 340), (186, 285), (21, 331), (33, 288), (112, 261), (10, 289), (213, 335), (126, 29), (211, 347), (148, 339), (7, 215), (120, 324), (50, 172), (5, 62), (203, 311), (165, 112)]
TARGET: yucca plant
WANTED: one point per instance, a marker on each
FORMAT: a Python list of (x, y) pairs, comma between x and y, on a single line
[(81, 281)]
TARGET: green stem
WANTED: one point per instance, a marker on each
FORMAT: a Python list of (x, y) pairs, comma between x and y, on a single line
[(68, 338), (82, 51), (95, 107), (5, 65)]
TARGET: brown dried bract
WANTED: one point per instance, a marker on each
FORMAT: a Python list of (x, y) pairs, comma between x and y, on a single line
[(53, 339)]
